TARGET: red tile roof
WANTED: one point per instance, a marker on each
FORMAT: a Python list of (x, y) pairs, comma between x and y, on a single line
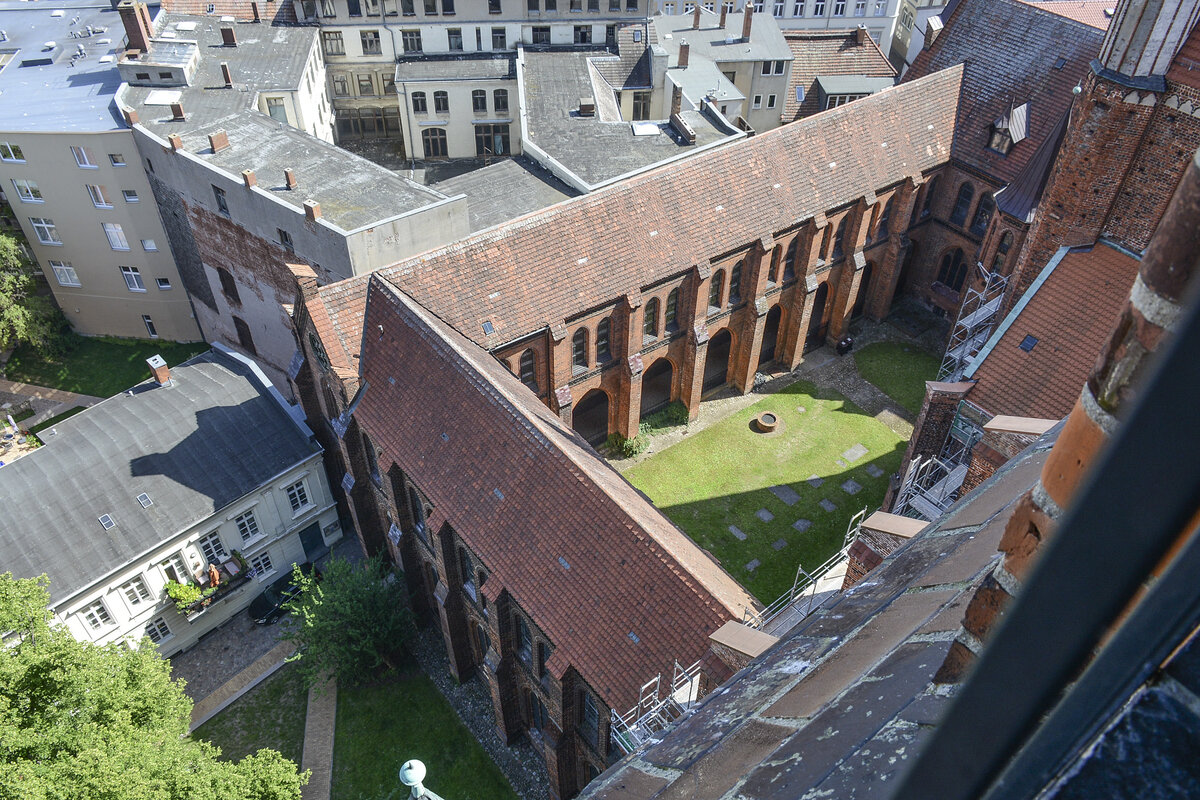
[(828, 53), (1010, 49), (585, 252), (1089, 12), (577, 547), (1072, 316), (1185, 68)]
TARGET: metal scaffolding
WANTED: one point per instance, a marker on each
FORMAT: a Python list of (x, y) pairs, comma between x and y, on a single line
[(975, 321), (656, 708), (929, 487)]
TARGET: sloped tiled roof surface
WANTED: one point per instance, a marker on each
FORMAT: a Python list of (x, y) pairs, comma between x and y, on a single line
[(577, 547), (526, 274), (1072, 316), (828, 53), (1185, 68), (1089, 12), (1010, 50), (630, 68)]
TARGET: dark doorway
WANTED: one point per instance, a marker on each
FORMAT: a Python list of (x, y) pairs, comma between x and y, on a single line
[(656, 387), (816, 322), (590, 418), (766, 353), (864, 290), (716, 365), (314, 544)]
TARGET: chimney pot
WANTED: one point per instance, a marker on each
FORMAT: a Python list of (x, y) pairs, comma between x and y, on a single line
[(254, 10), (747, 21), (177, 111), (227, 75), (685, 51), (696, 17), (131, 116), (289, 178), (159, 369), (248, 178), (176, 141), (312, 210), (218, 141), (228, 37), (724, 14)]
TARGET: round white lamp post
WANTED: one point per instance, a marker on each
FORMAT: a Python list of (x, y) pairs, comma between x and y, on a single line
[(411, 774)]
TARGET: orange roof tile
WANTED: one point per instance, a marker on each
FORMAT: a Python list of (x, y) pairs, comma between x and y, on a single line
[(1089, 12), (1185, 68), (828, 53)]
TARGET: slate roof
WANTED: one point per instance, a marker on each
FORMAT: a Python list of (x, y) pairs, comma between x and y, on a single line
[(525, 274), (839, 706), (620, 591), (630, 68), (217, 433), (1010, 50), (1019, 199), (1071, 313), (818, 53)]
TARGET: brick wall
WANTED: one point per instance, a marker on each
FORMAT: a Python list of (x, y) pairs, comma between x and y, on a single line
[(274, 11)]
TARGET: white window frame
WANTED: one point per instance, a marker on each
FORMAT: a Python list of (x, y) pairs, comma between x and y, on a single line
[(158, 625), (117, 159), (149, 246), (297, 492), (881, 8), (130, 195), (136, 591), (28, 191), (96, 615), (83, 157), (251, 526), (214, 543), (98, 195), (757, 102), (46, 231), (163, 284), (65, 274), (151, 330), (179, 563), (770, 101), (255, 563), (12, 153), (115, 234), (133, 279), (860, 8)]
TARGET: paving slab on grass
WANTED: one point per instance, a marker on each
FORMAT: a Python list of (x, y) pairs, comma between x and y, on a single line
[(841, 464), (737, 532), (786, 493), (764, 515), (779, 544), (802, 525), (852, 487), (753, 565), (874, 471), (814, 481), (828, 504), (856, 452)]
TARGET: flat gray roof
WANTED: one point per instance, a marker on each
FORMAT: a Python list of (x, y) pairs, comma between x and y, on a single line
[(352, 191), (505, 190), (216, 434), (719, 44), (49, 89), (853, 84), (440, 68), (594, 150)]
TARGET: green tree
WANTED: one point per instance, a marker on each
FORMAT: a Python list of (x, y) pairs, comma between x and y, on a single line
[(25, 317), (349, 622), (78, 720)]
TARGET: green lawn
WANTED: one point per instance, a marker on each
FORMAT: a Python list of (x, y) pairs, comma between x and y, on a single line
[(898, 370), (50, 423), (720, 477), (101, 367), (270, 715), (380, 727)]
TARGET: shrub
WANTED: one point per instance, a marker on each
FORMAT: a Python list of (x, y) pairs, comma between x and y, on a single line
[(627, 448), (673, 415), (184, 594)]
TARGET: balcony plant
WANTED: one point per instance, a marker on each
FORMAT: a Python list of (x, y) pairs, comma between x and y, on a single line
[(184, 594)]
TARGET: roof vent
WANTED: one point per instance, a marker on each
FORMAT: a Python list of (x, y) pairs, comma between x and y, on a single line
[(144, 500), (107, 522), (587, 106)]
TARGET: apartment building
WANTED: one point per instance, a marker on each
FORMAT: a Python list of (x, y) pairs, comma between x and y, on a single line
[(72, 175), (877, 16)]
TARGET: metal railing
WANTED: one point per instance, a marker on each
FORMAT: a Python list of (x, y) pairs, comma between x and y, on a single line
[(655, 711)]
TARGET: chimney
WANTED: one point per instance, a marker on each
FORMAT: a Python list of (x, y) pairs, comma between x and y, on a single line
[(933, 29), (696, 17), (249, 179), (724, 13), (131, 116), (254, 11), (218, 141), (159, 369), (289, 179), (228, 37), (177, 111), (312, 210), (227, 75), (860, 35), (137, 31), (685, 50), (747, 21), (676, 99), (176, 141)]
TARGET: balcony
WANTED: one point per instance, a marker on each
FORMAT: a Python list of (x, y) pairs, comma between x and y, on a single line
[(231, 576)]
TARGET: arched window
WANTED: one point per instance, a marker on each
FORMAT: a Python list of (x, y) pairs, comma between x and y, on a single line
[(735, 279), (716, 290), (669, 320), (479, 101), (773, 272), (579, 350), (885, 220), (983, 215), (1002, 251), (962, 204), (538, 718), (466, 571), (528, 370), (789, 260), (870, 237), (420, 105), (434, 140), (930, 191), (483, 640), (441, 102), (839, 240), (953, 271), (524, 640), (650, 321), (589, 720), (603, 351), (500, 99), (541, 659)]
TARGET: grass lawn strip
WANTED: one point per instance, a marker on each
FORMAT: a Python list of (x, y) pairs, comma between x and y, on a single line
[(898, 370), (269, 715), (101, 366), (380, 727), (722, 477), (50, 423)]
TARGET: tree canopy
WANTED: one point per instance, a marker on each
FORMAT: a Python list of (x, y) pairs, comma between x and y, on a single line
[(79, 720), (25, 317), (348, 621)]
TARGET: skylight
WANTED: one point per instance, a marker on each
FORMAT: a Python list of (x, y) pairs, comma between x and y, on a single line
[(145, 500), (1028, 343), (107, 522)]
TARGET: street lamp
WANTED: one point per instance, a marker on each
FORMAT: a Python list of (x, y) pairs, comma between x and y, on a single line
[(411, 774)]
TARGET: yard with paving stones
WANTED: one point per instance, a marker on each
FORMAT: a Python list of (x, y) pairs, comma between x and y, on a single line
[(763, 503)]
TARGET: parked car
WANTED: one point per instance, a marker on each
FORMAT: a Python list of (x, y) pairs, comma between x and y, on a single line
[(268, 606)]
